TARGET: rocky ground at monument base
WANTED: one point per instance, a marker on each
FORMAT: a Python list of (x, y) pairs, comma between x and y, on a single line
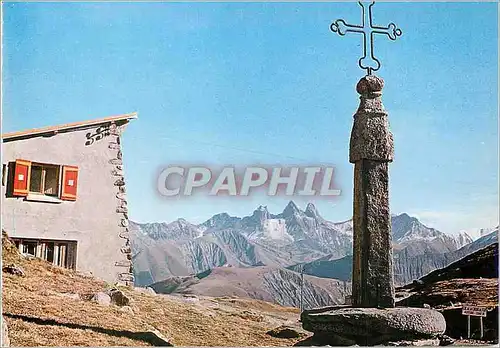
[(44, 305), (428, 311)]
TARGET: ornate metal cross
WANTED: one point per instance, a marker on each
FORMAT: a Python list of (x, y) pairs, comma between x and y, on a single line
[(368, 61)]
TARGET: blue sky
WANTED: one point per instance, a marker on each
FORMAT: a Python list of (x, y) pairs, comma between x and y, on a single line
[(268, 83)]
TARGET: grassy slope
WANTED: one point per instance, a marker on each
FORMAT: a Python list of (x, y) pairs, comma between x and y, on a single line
[(38, 313)]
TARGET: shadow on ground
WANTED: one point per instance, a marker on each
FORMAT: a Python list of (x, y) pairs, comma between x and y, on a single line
[(148, 337)]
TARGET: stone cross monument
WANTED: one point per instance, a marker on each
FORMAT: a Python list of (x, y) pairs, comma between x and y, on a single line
[(372, 319), (371, 150)]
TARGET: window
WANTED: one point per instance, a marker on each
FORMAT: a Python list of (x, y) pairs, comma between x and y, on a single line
[(44, 179), (31, 179), (49, 252), (29, 248), (58, 252), (36, 179)]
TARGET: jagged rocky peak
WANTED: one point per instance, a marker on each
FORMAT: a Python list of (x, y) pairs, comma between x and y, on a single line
[(180, 229), (312, 211), (222, 220), (291, 209), (405, 227), (261, 213), (182, 224), (256, 220), (262, 208), (155, 230), (405, 218)]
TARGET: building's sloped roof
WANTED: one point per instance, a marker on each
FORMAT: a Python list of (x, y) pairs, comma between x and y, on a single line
[(67, 127)]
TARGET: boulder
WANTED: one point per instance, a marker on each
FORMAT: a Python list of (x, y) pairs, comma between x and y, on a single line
[(127, 309), (445, 340), (285, 332), (370, 326), (102, 298), (118, 297), (14, 269)]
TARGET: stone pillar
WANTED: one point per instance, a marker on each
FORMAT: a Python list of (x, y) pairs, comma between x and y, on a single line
[(371, 150)]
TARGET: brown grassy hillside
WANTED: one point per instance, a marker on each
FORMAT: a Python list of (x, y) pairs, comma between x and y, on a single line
[(40, 310)]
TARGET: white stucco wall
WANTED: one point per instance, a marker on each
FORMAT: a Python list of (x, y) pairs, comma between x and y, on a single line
[(92, 220)]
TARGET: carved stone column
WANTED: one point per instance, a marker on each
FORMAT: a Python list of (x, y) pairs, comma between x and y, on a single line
[(371, 150)]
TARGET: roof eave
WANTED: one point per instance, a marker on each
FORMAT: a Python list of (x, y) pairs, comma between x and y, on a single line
[(68, 127)]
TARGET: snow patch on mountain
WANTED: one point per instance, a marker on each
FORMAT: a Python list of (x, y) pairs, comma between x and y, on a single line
[(463, 239), (275, 229)]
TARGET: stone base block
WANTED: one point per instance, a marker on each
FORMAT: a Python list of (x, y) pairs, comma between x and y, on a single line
[(372, 326)]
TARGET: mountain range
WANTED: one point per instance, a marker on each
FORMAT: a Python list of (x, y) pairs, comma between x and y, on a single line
[(181, 248), (409, 263), (295, 239)]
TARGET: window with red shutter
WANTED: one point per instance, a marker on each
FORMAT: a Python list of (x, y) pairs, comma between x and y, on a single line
[(22, 173), (69, 183)]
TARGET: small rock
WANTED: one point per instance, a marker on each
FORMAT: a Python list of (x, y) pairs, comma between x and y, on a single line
[(191, 298), (425, 305), (146, 290), (102, 298), (70, 295), (5, 334), (127, 309), (14, 269), (284, 332), (426, 343), (416, 343), (118, 297), (85, 274), (160, 339), (418, 284), (445, 340)]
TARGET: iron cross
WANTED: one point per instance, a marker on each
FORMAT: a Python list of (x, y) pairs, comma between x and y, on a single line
[(368, 61)]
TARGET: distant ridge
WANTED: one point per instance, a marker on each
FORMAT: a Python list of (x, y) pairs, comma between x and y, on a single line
[(289, 239)]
